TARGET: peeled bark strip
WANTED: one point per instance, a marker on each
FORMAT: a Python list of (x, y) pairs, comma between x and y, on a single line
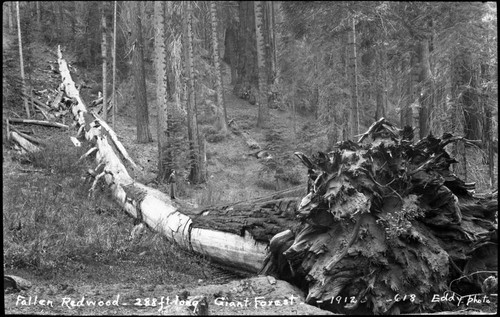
[(384, 219)]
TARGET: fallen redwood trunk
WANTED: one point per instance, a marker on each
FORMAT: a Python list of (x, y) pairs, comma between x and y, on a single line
[(238, 249), (386, 226)]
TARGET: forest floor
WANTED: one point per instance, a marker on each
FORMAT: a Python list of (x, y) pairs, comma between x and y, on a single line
[(72, 248), (95, 259)]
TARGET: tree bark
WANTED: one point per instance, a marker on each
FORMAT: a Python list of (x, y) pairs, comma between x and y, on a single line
[(463, 101), (272, 41), (114, 62), (354, 117), (10, 17), (164, 159), (230, 56), (21, 60), (221, 107), (142, 113), (195, 176), (406, 109), (247, 80), (426, 94), (278, 42), (38, 15), (104, 62), (263, 90), (488, 135), (381, 86)]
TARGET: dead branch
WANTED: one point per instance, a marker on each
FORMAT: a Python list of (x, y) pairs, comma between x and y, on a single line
[(39, 122)]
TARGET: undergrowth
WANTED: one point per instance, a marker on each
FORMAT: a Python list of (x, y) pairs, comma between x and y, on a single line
[(51, 225)]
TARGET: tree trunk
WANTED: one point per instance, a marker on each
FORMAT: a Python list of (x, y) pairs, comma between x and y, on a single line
[(381, 83), (21, 60), (406, 109), (488, 134), (195, 175), (268, 45), (272, 41), (263, 90), (104, 63), (164, 160), (354, 117), (73, 20), (461, 77), (38, 15), (247, 80), (10, 17), (230, 48), (426, 94), (142, 113), (277, 15), (114, 62), (174, 62), (60, 20), (221, 107), (39, 122)]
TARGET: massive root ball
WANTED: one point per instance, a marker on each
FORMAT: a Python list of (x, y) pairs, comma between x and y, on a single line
[(385, 226)]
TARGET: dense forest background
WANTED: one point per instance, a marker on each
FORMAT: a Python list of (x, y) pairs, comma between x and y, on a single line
[(430, 65)]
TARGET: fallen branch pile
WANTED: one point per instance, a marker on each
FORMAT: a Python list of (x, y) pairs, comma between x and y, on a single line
[(386, 226)]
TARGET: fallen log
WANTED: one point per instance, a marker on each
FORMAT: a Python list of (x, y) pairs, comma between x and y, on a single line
[(35, 102), (386, 226), (150, 206), (39, 122), (42, 110), (28, 137), (25, 145), (250, 142)]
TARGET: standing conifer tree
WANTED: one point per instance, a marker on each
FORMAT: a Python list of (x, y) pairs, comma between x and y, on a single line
[(354, 82), (104, 63), (114, 64), (196, 175), (143, 132), (164, 161), (263, 101), (26, 106), (221, 107)]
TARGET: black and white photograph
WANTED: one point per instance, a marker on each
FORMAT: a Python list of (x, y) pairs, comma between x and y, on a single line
[(196, 158)]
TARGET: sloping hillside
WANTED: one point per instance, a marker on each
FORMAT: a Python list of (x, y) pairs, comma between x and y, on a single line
[(70, 244)]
